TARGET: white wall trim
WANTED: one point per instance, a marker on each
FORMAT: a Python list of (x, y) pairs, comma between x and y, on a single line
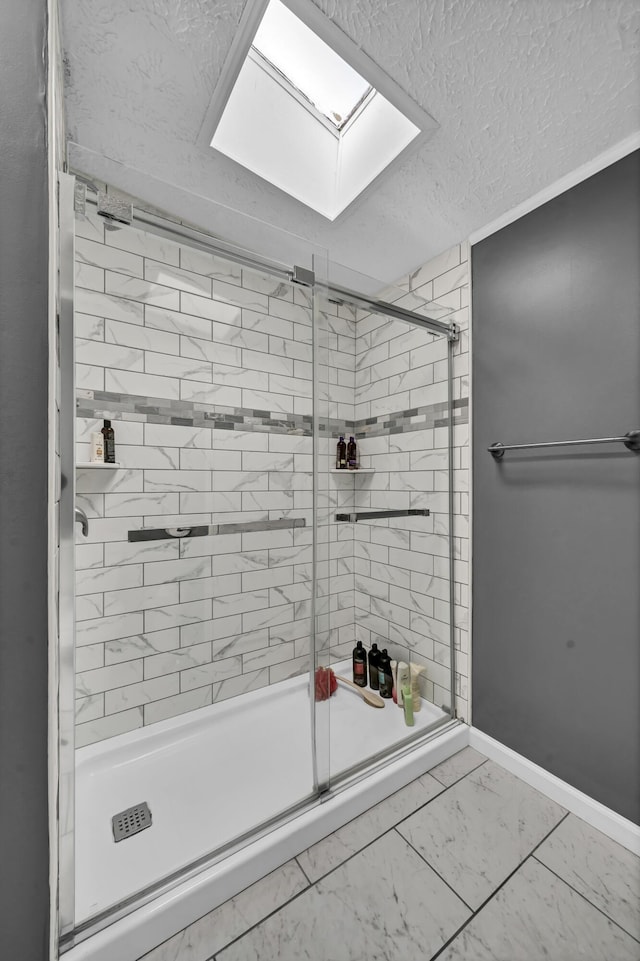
[(599, 816), (605, 159)]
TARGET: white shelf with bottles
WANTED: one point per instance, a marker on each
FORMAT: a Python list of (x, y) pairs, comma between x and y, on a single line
[(88, 465), (355, 470)]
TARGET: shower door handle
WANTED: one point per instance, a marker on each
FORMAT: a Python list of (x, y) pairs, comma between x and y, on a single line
[(81, 518)]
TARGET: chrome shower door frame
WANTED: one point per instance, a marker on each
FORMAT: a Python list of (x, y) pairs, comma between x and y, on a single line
[(66, 601)]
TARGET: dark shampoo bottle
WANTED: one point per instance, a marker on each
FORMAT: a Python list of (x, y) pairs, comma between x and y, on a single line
[(359, 665), (374, 661), (385, 677), (109, 443)]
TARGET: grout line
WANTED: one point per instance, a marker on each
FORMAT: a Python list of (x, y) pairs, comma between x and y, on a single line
[(267, 916), (309, 881), (387, 830), (437, 873), (313, 884), (462, 777), (499, 888), (585, 898)]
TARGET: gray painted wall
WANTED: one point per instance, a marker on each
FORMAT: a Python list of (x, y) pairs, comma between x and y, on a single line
[(556, 616), (24, 882)]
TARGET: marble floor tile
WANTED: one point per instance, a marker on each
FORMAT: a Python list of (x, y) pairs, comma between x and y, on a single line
[(327, 854), (537, 916), (384, 904), (222, 925), (478, 831), (457, 766), (603, 871)]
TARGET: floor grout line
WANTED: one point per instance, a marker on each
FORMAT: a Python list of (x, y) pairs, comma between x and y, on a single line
[(444, 787), (437, 873), (585, 898), (309, 881), (531, 855), (313, 884), (499, 888)]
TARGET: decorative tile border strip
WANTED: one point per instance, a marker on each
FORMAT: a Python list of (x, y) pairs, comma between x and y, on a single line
[(184, 413), (417, 418), (154, 410)]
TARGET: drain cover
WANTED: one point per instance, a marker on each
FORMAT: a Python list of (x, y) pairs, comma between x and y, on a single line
[(131, 821)]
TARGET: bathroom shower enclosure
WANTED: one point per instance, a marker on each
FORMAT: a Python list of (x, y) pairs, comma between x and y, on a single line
[(225, 561)]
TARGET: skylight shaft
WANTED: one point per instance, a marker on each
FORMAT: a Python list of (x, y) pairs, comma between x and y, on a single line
[(310, 64)]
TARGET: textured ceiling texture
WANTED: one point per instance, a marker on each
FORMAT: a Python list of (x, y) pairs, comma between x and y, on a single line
[(524, 92)]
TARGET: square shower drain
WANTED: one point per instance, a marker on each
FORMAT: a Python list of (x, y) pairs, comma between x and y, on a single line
[(131, 821)]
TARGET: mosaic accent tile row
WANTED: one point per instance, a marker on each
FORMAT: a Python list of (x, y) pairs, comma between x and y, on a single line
[(154, 410)]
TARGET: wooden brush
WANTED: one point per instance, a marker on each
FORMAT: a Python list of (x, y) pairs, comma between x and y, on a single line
[(370, 697)]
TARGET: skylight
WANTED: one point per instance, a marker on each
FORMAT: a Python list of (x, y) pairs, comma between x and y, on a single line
[(307, 62), (293, 106)]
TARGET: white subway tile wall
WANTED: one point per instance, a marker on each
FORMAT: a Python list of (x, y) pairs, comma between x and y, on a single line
[(205, 370), (402, 570)]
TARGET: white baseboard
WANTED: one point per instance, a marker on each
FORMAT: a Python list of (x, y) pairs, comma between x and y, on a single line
[(599, 816)]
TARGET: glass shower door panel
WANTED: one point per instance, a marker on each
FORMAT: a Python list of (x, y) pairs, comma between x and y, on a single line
[(194, 587), (393, 513)]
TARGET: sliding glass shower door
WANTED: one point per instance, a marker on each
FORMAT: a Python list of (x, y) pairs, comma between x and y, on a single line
[(384, 527), (227, 567), (194, 581)]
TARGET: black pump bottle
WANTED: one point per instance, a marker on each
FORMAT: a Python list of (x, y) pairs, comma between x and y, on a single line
[(359, 665)]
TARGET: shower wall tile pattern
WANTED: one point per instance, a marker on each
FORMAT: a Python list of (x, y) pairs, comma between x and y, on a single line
[(205, 369), (402, 570)]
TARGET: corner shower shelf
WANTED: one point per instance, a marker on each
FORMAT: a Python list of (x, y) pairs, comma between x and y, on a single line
[(87, 465), (358, 470)]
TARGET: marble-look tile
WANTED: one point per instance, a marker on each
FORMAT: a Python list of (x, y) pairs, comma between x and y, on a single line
[(106, 305), (145, 244), (233, 918), (141, 645), (111, 258), (327, 854), (213, 673), (481, 829), (241, 684), (536, 915), (177, 704), (383, 904), (607, 874), (141, 290), (109, 726), (89, 606), (457, 766), (160, 273), (135, 695)]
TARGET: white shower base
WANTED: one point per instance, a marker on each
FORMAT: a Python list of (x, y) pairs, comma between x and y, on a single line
[(211, 776)]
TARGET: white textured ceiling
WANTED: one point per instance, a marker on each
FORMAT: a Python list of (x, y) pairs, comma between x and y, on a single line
[(524, 91)]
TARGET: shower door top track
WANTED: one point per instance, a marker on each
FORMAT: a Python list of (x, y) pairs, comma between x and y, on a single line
[(194, 237)]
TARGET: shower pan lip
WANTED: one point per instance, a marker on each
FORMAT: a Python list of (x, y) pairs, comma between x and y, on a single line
[(180, 900)]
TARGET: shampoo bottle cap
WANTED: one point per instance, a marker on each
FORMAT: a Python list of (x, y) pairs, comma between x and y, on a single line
[(107, 423)]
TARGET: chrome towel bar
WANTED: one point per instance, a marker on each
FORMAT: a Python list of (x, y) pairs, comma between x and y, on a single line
[(372, 515), (631, 441), (206, 530)]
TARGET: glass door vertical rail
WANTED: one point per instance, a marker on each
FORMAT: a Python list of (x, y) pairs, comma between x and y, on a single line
[(66, 604)]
